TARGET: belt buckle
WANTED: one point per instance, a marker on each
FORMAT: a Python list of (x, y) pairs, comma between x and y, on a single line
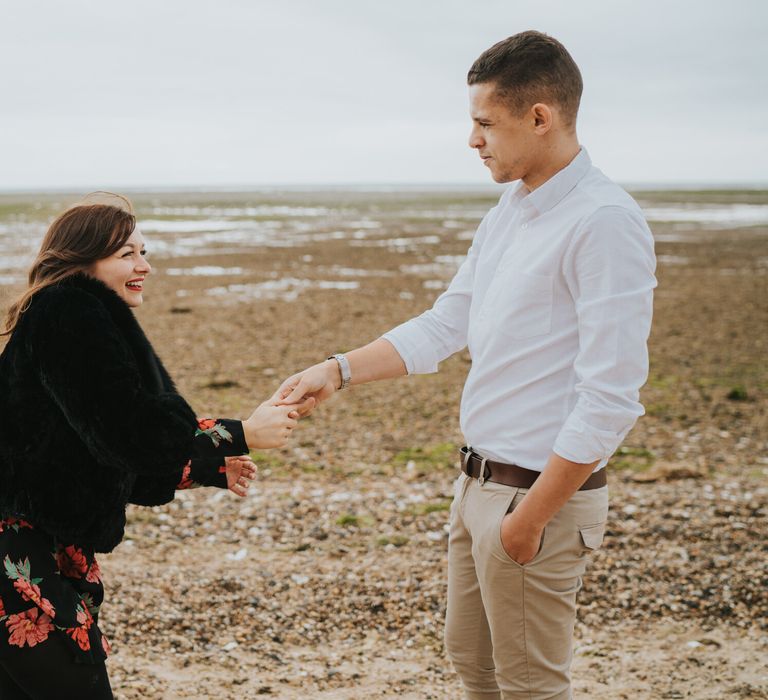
[(468, 454)]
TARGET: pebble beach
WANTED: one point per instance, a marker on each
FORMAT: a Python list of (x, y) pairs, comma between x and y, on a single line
[(329, 579)]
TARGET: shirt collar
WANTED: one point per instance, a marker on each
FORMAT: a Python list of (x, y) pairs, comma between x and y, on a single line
[(546, 196)]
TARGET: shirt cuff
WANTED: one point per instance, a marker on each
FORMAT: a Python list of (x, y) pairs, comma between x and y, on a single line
[(414, 347), (583, 444)]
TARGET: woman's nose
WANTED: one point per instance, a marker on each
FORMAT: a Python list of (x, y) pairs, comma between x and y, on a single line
[(144, 266)]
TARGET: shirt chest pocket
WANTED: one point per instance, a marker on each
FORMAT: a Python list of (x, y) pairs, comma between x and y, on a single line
[(519, 304)]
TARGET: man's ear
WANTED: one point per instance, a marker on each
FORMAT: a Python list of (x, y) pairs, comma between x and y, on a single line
[(542, 118)]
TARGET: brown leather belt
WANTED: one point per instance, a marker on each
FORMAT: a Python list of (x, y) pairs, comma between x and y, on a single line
[(476, 466)]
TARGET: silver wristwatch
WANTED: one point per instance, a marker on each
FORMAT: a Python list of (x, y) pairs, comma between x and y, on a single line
[(346, 376)]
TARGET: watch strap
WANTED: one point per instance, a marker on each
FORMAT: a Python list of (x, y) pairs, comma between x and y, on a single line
[(346, 376)]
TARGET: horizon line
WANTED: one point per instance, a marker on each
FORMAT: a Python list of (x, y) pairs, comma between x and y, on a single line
[(638, 185)]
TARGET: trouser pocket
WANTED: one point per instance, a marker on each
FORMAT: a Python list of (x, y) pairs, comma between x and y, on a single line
[(591, 515), (592, 535)]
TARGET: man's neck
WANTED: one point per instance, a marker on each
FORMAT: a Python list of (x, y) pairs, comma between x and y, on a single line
[(553, 161)]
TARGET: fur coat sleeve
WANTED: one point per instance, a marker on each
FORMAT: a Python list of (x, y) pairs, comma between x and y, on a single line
[(211, 438)]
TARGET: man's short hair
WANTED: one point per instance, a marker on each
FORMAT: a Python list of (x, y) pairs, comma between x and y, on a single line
[(531, 67)]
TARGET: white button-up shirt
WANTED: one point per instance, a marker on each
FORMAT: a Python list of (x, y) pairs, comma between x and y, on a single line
[(554, 301)]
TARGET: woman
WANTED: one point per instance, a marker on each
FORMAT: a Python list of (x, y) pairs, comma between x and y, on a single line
[(89, 422)]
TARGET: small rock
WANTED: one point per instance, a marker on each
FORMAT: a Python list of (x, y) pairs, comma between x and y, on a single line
[(239, 555)]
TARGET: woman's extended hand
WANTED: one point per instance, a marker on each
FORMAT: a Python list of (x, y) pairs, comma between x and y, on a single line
[(271, 426), (240, 472)]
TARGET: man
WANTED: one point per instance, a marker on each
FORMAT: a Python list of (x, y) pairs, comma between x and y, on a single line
[(554, 302)]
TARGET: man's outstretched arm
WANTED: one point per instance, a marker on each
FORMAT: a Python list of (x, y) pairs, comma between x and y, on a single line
[(377, 360)]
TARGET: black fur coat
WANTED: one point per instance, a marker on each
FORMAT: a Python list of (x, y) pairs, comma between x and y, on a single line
[(90, 419)]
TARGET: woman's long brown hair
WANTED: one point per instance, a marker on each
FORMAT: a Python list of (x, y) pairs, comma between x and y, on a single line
[(83, 234)]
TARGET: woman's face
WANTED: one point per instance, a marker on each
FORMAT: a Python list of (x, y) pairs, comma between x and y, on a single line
[(125, 271)]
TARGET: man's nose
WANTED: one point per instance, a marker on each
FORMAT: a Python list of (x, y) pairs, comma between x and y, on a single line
[(475, 138)]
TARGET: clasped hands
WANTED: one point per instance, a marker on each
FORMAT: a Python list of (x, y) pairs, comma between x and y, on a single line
[(271, 424), (273, 421)]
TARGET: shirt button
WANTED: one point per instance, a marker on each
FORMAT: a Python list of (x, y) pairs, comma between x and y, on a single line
[(524, 226)]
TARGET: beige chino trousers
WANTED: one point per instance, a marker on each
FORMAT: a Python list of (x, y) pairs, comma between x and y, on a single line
[(509, 628)]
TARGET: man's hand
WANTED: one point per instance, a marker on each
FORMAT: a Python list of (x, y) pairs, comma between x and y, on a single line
[(240, 472), (521, 541), (521, 530), (318, 382), (377, 360)]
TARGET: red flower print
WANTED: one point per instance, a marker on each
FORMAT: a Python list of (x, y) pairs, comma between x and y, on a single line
[(30, 627), (90, 606), (186, 482), (214, 430), (2, 608), (80, 633), (31, 591), (15, 523), (28, 590), (47, 607), (94, 573), (72, 562), (105, 645)]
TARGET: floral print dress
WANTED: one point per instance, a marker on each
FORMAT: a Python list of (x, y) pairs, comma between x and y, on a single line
[(49, 587)]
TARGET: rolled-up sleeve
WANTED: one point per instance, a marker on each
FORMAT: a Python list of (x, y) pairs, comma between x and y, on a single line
[(425, 341), (609, 269)]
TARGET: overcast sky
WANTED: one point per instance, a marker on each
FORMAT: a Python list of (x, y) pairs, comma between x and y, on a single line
[(255, 92)]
